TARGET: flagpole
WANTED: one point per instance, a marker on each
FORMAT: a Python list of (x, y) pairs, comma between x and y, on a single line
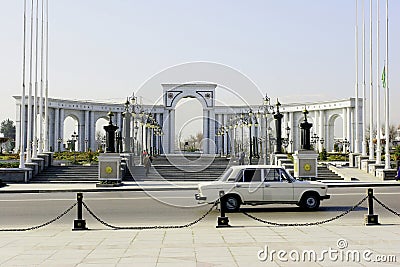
[(378, 93), (46, 99), (387, 152), (22, 110), (364, 109), (41, 87), (29, 130), (364, 112), (356, 145), (371, 89), (35, 111)]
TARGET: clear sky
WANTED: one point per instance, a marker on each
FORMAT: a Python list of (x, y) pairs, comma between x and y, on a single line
[(105, 50)]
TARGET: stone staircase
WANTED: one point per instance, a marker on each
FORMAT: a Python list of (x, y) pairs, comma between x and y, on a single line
[(68, 174), (325, 174), (182, 168)]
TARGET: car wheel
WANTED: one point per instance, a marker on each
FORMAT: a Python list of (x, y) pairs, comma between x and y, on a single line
[(310, 202), (231, 203)]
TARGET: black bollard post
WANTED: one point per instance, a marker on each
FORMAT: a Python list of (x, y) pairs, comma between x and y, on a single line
[(371, 218), (79, 223), (222, 220)]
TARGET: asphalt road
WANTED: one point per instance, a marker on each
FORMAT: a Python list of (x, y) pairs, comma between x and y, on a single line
[(179, 207)]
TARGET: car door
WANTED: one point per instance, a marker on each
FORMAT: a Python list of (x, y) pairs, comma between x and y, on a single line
[(277, 185), (249, 185)]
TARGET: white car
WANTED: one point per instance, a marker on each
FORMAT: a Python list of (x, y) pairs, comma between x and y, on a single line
[(261, 184)]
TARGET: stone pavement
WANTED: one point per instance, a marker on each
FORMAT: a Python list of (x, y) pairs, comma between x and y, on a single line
[(337, 243)]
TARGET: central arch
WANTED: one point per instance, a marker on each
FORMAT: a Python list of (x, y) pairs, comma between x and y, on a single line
[(205, 94)]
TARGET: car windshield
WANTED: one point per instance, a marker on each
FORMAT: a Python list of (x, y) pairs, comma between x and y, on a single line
[(225, 175)]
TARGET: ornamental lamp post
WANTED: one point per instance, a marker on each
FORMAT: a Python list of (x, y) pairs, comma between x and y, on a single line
[(249, 125), (278, 125), (268, 109), (59, 141), (322, 141), (74, 137)]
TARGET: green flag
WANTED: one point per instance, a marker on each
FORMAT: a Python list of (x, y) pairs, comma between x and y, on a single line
[(384, 77)]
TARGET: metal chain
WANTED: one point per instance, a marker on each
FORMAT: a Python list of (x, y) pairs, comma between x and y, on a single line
[(148, 227), (306, 224), (386, 207), (41, 225)]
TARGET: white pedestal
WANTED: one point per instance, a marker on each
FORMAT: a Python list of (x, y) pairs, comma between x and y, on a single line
[(109, 167), (305, 164)]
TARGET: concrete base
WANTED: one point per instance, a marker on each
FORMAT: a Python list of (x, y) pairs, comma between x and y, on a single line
[(15, 175), (365, 163), (359, 159), (39, 162), (373, 167), (33, 166), (45, 157), (352, 159), (386, 174), (51, 158)]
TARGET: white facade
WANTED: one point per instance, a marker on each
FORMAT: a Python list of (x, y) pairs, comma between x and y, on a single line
[(86, 114)]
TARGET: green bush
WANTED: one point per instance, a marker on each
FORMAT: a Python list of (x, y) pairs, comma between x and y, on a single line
[(9, 164), (77, 157), (323, 155)]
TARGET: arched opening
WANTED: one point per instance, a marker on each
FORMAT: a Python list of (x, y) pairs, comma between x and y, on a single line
[(335, 133), (71, 141), (188, 125), (100, 136)]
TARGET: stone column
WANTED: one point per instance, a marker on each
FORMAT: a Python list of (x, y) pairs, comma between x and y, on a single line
[(18, 126), (166, 129), (321, 129), (206, 132), (118, 123), (292, 133), (92, 132), (87, 125), (211, 119), (61, 131), (349, 124), (56, 129), (344, 125)]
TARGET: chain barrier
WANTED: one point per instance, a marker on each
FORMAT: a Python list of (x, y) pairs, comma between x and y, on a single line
[(41, 225), (197, 220), (149, 227), (307, 224), (386, 207)]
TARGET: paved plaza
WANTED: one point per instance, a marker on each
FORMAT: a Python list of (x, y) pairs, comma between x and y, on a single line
[(206, 245)]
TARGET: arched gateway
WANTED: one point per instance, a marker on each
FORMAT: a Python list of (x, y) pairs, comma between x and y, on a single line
[(87, 113)]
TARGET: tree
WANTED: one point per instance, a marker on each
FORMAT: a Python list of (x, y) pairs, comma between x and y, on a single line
[(7, 128)]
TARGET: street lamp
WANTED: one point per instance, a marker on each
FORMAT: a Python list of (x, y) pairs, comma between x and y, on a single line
[(322, 141), (74, 137), (59, 141), (267, 109), (285, 141), (314, 141)]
